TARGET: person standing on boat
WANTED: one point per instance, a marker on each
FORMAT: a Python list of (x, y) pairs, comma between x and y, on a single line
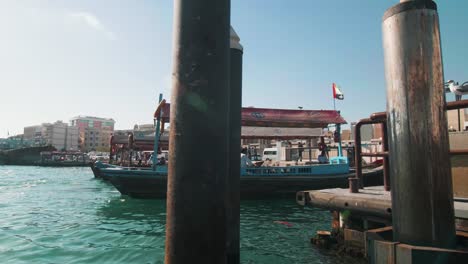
[(245, 161), (323, 157), (300, 149)]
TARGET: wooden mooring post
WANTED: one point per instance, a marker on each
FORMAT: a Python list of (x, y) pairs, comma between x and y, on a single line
[(199, 138), (421, 185), (233, 181)]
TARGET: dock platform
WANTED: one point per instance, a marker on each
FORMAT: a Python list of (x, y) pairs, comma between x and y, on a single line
[(361, 225), (370, 201)]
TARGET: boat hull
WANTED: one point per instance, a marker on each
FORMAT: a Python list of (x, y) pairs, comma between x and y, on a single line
[(29, 156), (105, 171), (64, 164), (148, 185)]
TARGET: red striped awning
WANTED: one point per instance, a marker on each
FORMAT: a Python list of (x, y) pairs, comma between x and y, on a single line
[(268, 117), (280, 133), (265, 117)]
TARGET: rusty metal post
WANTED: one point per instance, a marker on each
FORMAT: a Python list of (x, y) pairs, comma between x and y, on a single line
[(457, 104), (422, 199), (233, 181), (357, 155), (386, 165), (353, 184), (199, 147)]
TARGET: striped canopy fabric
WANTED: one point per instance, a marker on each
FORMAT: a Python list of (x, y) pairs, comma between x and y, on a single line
[(268, 117), (280, 133), (265, 117)]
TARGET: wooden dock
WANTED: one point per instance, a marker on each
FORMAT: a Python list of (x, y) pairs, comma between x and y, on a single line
[(372, 201), (363, 223)]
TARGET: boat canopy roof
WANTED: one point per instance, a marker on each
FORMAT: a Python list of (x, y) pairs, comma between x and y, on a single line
[(280, 133), (139, 138), (268, 117)]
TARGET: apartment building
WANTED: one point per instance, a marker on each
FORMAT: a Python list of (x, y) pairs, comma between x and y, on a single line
[(59, 135), (94, 132)]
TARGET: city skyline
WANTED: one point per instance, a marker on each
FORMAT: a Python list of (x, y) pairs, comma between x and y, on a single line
[(60, 59)]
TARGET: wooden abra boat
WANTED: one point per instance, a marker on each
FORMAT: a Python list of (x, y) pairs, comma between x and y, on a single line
[(263, 182)]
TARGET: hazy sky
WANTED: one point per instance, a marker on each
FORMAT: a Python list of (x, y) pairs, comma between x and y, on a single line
[(111, 58)]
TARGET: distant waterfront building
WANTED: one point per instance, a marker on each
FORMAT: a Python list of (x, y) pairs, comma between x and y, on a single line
[(346, 134), (144, 127), (367, 132), (14, 142), (452, 118), (94, 132), (353, 130), (34, 134), (59, 135), (377, 131)]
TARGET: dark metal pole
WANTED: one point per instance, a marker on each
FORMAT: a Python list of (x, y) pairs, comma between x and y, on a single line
[(130, 148), (233, 182), (357, 154), (458, 98), (422, 198), (111, 152), (199, 147), (375, 119)]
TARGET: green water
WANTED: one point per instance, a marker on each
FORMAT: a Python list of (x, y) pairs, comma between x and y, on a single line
[(64, 215)]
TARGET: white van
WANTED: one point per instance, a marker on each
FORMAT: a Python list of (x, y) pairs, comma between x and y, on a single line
[(270, 154)]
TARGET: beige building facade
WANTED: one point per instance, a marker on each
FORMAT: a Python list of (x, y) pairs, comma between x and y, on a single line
[(59, 135), (452, 117), (94, 132)]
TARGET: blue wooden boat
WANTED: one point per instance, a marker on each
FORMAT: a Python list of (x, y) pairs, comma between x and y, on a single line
[(262, 182), (255, 182), (105, 171)]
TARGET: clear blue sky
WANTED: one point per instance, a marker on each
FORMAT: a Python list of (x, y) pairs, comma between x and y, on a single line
[(111, 58)]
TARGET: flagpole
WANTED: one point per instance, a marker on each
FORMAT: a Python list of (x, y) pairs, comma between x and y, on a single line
[(334, 97)]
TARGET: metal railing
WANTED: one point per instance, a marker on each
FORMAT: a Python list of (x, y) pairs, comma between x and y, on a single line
[(355, 183), (318, 169)]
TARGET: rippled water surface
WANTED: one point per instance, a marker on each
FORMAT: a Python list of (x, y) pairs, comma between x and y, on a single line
[(64, 215)]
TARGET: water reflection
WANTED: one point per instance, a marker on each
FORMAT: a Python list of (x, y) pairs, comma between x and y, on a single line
[(69, 217)]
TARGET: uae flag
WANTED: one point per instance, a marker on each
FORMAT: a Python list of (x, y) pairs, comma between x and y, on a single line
[(337, 93)]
